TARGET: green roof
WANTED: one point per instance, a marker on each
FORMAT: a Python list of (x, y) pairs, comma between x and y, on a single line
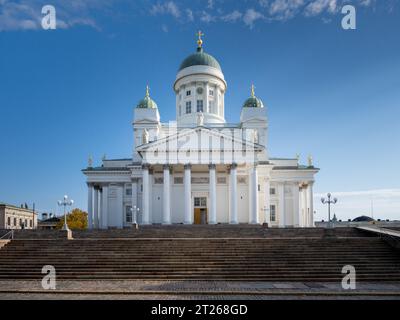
[(147, 102), (253, 102), (200, 58)]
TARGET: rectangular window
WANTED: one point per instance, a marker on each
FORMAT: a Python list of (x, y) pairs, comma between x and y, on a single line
[(128, 214), (158, 180), (200, 202), (242, 180), (189, 107), (9, 221), (128, 192), (221, 180), (272, 191), (15, 222), (199, 105), (200, 180), (188, 93), (30, 223), (211, 92), (178, 180), (273, 212)]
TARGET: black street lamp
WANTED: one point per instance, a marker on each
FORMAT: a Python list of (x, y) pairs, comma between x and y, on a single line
[(329, 202)]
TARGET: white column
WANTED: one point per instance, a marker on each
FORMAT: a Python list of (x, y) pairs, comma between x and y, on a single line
[(134, 201), (96, 208), (254, 196), (216, 99), (281, 190), (310, 205), (166, 196), (213, 195), (304, 206), (188, 194), (104, 209), (90, 206), (146, 195), (100, 208), (233, 196), (267, 202), (206, 105), (296, 209)]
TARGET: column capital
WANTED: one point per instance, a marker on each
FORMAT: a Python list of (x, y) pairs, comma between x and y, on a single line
[(145, 166), (233, 166), (134, 180), (212, 166), (187, 166), (89, 184), (167, 167)]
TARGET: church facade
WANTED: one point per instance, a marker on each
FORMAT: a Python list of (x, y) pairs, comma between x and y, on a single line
[(200, 169)]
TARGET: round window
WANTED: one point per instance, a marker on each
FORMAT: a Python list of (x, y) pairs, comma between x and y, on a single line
[(199, 90)]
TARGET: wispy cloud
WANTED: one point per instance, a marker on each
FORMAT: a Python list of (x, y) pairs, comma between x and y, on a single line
[(26, 14), (251, 16), (232, 17), (169, 7)]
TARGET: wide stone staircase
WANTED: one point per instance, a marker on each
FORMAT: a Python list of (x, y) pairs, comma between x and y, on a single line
[(287, 256)]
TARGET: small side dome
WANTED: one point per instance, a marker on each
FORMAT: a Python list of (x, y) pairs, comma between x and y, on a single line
[(147, 102), (253, 101)]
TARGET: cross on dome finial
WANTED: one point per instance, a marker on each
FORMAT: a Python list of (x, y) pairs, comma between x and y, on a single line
[(252, 91), (199, 41), (147, 91)]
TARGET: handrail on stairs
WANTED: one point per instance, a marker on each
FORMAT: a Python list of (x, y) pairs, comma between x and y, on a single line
[(9, 235), (385, 235)]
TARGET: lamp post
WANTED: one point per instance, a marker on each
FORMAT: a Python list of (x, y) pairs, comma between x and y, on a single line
[(135, 210), (329, 201), (65, 202)]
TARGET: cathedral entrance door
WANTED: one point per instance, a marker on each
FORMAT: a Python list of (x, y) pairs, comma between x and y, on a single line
[(200, 210)]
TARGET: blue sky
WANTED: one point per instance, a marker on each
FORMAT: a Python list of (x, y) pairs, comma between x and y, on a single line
[(70, 92)]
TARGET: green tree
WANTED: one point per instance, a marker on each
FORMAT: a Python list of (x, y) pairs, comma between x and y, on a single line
[(76, 220)]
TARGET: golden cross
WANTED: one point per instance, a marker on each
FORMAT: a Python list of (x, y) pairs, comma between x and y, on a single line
[(252, 91), (147, 91), (200, 41)]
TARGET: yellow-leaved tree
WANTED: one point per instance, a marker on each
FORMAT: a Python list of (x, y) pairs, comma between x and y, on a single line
[(76, 220)]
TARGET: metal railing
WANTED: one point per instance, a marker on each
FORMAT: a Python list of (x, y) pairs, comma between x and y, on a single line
[(8, 235)]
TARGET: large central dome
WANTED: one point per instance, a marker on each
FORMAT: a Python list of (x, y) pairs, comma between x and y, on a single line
[(200, 58)]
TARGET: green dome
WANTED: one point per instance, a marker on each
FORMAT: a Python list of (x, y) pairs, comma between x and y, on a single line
[(253, 101), (200, 58), (147, 102)]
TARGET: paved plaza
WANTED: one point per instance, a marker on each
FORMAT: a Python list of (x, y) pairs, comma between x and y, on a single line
[(139, 289)]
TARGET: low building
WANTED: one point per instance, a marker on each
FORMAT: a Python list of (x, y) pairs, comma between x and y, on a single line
[(13, 217), (48, 222)]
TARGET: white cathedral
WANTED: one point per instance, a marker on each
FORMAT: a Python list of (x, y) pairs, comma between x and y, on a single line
[(200, 169)]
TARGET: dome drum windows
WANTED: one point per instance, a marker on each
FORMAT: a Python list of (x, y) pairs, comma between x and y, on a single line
[(188, 107), (199, 105)]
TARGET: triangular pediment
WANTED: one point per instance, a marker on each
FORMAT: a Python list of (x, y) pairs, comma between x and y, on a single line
[(200, 142)]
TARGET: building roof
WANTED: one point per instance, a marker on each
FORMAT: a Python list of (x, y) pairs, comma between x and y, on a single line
[(147, 102), (200, 58), (3, 204)]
